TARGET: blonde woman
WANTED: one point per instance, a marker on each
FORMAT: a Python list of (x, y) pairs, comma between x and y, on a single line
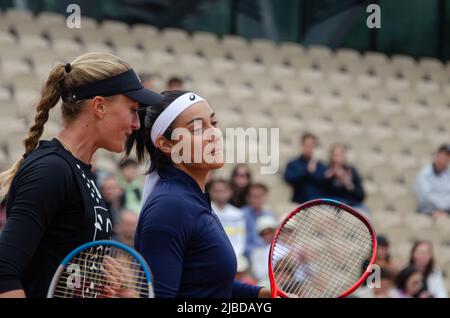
[(53, 204)]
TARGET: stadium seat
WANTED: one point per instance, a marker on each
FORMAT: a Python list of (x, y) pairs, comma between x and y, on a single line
[(375, 58), (49, 20), (113, 27), (202, 38), (6, 38), (291, 49), (173, 34), (18, 15), (234, 41)]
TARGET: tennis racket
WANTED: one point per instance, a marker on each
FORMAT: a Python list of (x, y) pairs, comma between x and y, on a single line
[(322, 249), (102, 269)]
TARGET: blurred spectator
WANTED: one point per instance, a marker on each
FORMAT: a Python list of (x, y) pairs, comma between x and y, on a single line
[(410, 283), (306, 174), (175, 84), (256, 198), (243, 271), (342, 181), (125, 228), (148, 81), (129, 172), (387, 285), (432, 186), (2, 215), (113, 196), (386, 288), (241, 179), (266, 227), (422, 259), (384, 258), (231, 218)]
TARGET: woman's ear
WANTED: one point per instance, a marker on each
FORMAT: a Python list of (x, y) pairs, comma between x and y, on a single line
[(98, 107), (164, 145)]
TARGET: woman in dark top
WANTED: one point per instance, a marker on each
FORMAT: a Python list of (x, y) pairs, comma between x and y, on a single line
[(241, 180), (342, 181), (53, 204), (178, 233)]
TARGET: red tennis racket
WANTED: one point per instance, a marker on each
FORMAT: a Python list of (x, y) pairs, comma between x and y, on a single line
[(322, 249)]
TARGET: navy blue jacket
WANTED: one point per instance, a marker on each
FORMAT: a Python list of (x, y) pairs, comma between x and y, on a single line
[(306, 186), (184, 243)]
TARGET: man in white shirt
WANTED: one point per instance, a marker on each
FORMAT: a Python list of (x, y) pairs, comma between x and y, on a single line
[(432, 186), (231, 218)]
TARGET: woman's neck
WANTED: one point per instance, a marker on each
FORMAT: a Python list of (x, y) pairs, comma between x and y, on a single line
[(198, 175), (78, 141)]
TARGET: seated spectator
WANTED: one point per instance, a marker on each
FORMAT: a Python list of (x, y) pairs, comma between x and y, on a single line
[(342, 181), (385, 289), (175, 84), (257, 197), (410, 283), (243, 271), (432, 185), (422, 259), (129, 172), (113, 196), (241, 179), (384, 259), (125, 228), (306, 174), (231, 218), (266, 227)]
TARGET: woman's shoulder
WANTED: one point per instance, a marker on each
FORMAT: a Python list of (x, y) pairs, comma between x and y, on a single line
[(48, 166), (166, 204), (168, 212), (436, 273)]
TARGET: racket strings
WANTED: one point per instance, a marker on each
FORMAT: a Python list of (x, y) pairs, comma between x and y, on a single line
[(338, 257), (330, 242), (91, 270), (322, 251), (319, 268), (318, 280)]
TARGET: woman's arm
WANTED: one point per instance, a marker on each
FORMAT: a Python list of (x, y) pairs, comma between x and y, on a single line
[(162, 241), (37, 195), (357, 190), (264, 293), (18, 293), (243, 290)]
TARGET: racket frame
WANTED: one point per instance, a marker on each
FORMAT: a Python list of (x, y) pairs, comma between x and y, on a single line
[(86, 246), (276, 292)]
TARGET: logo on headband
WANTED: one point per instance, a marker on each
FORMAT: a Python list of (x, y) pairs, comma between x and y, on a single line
[(192, 97)]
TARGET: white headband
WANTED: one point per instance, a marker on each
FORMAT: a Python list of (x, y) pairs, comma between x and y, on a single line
[(172, 111), (160, 126)]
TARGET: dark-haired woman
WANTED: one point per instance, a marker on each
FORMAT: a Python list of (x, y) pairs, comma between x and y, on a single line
[(53, 204), (342, 181), (241, 180), (178, 233), (410, 283), (422, 259)]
